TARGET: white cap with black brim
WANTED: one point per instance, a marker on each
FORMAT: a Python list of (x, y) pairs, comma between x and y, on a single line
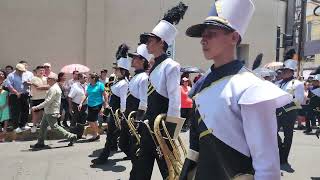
[(142, 51)]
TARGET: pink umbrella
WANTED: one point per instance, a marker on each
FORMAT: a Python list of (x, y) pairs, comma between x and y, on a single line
[(75, 67)]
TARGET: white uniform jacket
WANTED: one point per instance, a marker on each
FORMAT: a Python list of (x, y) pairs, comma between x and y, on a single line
[(240, 110), (120, 89), (165, 78), (295, 88), (138, 88)]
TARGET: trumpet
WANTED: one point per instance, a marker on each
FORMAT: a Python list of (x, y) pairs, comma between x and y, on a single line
[(132, 129), (116, 118), (174, 152)]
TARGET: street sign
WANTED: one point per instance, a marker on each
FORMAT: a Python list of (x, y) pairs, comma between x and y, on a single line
[(171, 50)]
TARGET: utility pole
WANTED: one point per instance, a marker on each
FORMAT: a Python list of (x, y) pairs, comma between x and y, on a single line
[(301, 34), (278, 43), (287, 41)]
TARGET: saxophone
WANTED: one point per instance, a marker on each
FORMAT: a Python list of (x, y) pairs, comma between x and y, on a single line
[(173, 150)]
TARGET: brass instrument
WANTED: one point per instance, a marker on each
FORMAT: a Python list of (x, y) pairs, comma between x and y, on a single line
[(116, 118), (158, 149), (132, 129), (174, 152)]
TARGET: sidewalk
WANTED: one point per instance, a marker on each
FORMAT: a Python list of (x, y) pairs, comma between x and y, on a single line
[(51, 135)]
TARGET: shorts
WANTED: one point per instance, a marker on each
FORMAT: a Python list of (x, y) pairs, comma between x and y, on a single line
[(93, 113), (36, 103)]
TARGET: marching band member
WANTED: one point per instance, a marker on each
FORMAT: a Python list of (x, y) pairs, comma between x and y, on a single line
[(287, 114), (137, 99), (314, 104), (235, 115), (163, 90), (118, 100)]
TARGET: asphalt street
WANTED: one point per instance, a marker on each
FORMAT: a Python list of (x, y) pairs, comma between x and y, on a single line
[(18, 162)]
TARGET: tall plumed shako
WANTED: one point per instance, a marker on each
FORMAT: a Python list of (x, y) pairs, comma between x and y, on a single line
[(257, 61), (122, 57), (174, 15), (122, 51), (165, 28), (231, 15)]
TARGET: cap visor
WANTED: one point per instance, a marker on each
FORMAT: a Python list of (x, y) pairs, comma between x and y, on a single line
[(133, 54), (197, 30), (144, 37)]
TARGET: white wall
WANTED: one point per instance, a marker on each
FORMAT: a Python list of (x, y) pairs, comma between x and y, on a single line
[(89, 31), (42, 30)]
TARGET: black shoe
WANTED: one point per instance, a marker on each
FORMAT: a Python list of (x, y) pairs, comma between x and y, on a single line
[(318, 133), (72, 140), (94, 139), (286, 167), (65, 124), (126, 158), (307, 131), (37, 146), (113, 148), (99, 161), (301, 127), (184, 129)]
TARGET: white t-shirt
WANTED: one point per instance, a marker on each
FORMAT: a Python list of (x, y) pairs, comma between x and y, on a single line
[(67, 86), (35, 93), (77, 92)]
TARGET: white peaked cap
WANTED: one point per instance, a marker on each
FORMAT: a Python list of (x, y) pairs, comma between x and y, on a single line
[(227, 14), (317, 77), (290, 64), (124, 63), (238, 13), (166, 31), (142, 51), (264, 72)]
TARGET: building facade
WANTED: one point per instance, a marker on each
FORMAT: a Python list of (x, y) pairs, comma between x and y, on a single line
[(312, 38), (89, 31)]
